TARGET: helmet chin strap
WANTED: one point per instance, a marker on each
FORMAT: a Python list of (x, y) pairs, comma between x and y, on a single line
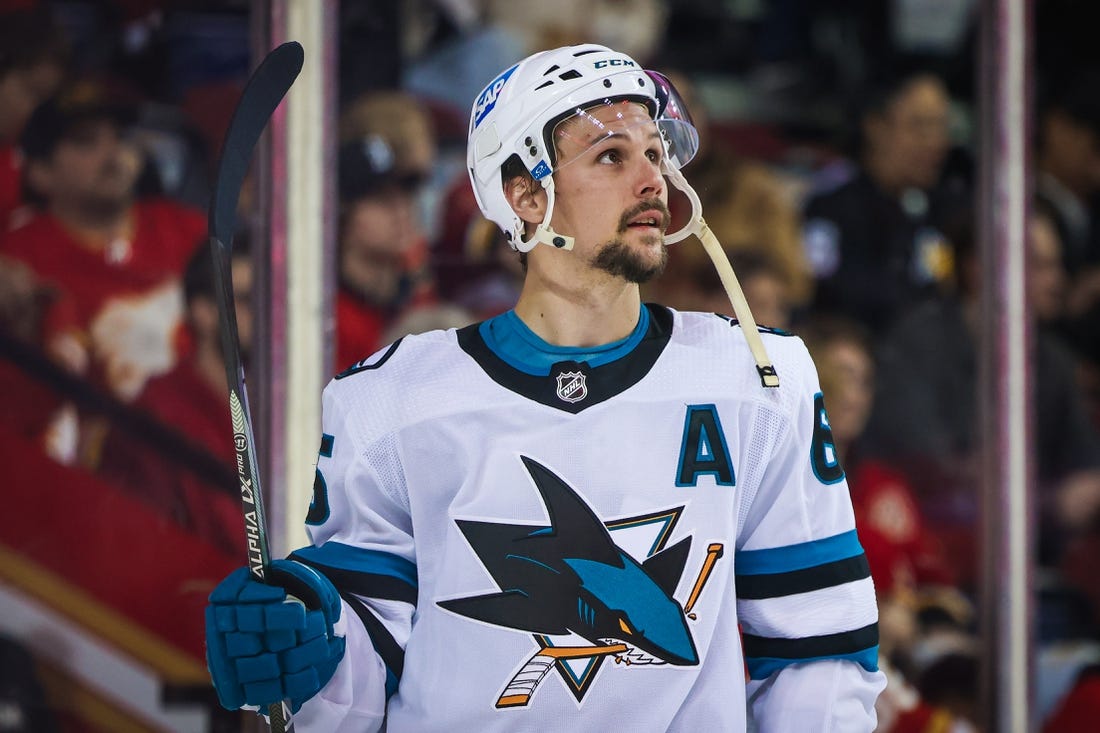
[(698, 227), (676, 178), (543, 232)]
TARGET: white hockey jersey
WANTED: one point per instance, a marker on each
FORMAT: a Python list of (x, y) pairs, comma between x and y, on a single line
[(525, 540)]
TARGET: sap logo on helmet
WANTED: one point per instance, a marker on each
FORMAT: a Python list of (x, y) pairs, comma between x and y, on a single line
[(613, 62), (488, 98)]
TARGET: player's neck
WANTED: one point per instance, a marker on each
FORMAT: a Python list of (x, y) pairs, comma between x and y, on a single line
[(585, 314)]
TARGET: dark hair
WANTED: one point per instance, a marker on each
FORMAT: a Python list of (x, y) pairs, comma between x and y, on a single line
[(514, 168), (822, 330), (881, 91), (77, 103), (746, 263), (368, 167), (1077, 97), (198, 277)]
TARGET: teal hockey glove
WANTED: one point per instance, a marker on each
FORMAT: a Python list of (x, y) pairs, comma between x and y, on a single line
[(272, 641)]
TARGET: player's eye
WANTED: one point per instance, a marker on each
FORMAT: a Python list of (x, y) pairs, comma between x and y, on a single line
[(610, 156), (654, 155), (625, 626)]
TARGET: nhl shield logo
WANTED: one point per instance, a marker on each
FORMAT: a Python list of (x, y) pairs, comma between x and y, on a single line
[(572, 386)]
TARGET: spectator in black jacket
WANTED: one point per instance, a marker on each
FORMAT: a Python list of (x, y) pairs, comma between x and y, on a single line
[(875, 241)]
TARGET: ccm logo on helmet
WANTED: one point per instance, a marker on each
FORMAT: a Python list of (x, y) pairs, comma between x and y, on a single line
[(488, 98), (613, 62)]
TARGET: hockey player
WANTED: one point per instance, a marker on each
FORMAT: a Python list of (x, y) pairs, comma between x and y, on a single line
[(586, 513)]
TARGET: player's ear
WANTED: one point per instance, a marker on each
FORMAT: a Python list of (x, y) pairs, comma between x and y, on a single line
[(526, 197)]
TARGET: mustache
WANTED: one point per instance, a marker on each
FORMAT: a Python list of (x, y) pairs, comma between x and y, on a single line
[(643, 206)]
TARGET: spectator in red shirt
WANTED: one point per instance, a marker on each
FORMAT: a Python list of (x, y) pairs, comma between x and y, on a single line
[(192, 399), (383, 254), (115, 259)]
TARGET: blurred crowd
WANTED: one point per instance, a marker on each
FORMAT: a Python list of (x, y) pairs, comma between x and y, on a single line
[(837, 168)]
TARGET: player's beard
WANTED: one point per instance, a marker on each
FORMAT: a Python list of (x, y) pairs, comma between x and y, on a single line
[(619, 259)]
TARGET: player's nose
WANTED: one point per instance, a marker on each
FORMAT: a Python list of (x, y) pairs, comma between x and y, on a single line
[(649, 182)]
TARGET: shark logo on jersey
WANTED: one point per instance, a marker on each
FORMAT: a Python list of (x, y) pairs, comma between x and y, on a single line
[(583, 596)]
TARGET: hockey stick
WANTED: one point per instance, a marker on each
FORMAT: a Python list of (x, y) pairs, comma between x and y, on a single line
[(262, 94), (518, 691), (714, 551)]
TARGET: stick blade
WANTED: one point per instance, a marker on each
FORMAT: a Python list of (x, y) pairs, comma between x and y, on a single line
[(265, 90)]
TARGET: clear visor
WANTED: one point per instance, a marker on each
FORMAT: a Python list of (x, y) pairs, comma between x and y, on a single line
[(629, 120)]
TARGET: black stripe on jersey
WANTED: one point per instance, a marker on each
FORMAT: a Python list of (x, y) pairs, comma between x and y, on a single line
[(363, 366), (810, 647), (371, 585), (393, 656), (603, 382), (774, 585), (761, 329)]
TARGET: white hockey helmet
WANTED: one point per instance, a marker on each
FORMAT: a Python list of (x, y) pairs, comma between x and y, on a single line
[(518, 112)]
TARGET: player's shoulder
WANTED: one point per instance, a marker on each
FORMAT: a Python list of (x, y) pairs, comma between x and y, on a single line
[(403, 358), (416, 364), (409, 380), (723, 338), (696, 326)]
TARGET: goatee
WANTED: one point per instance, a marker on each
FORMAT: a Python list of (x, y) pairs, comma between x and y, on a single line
[(619, 260)]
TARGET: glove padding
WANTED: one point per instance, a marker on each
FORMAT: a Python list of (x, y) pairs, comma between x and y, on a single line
[(263, 647)]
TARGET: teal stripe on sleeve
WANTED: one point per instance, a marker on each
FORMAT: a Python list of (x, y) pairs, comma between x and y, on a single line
[(356, 559), (760, 668), (798, 557)]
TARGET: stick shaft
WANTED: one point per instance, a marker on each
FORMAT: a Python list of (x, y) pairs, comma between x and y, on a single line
[(263, 93)]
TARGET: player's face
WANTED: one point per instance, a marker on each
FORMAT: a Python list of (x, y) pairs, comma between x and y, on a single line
[(611, 196)]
